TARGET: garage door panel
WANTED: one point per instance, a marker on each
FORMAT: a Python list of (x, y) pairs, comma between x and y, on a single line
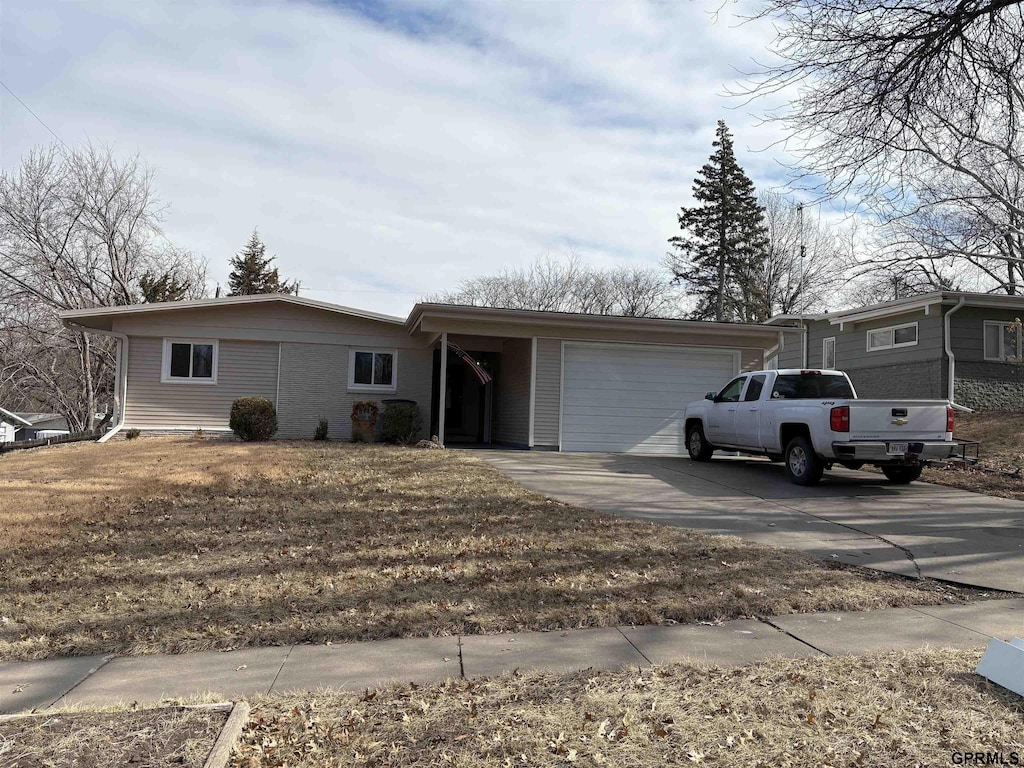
[(632, 399)]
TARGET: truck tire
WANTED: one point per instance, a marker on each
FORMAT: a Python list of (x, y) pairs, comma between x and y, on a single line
[(802, 464), (902, 475), (697, 445)]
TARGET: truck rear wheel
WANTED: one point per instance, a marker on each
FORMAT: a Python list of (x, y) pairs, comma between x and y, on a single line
[(802, 464), (697, 445), (902, 475)]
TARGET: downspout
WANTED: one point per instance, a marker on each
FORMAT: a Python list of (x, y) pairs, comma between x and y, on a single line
[(951, 373), (120, 376), (803, 343)]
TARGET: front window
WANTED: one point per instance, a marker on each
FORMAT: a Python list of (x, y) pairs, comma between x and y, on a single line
[(191, 361), (372, 370), (828, 353), (731, 393), (892, 337), (1003, 341), (811, 386)]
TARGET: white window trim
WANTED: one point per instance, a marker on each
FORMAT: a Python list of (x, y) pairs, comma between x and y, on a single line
[(824, 346), (165, 365), (388, 388), (893, 345), (1001, 324)]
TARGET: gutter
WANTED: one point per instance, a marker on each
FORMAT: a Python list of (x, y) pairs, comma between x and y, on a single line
[(951, 390), (120, 375)]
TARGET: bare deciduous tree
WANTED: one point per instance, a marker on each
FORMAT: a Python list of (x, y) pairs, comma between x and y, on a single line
[(915, 107), (570, 286), (78, 228), (806, 266)]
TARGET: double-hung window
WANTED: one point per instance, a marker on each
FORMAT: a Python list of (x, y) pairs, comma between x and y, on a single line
[(892, 337), (190, 361), (1003, 341), (372, 370)]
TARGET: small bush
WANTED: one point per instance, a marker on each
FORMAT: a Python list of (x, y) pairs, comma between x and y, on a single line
[(199, 434), (132, 433), (253, 418), (401, 422), (358, 437), (321, 430)]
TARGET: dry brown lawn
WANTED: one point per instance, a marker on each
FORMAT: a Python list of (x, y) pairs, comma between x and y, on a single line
[(171, 737), (1001, 434), (175, 545), (896, 709)]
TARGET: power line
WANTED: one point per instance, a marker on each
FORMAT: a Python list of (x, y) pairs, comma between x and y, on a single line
[(37, 117)]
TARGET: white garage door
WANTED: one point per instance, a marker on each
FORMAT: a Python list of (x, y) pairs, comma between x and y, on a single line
[(631, 399)]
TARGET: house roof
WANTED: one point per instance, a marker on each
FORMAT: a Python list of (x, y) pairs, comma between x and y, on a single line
[(899, 306), (573, 319), (32, 419), (13, 418), (426, 309), (225, 301)]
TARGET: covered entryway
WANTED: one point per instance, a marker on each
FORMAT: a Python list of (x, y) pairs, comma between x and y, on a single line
[(626, 398)]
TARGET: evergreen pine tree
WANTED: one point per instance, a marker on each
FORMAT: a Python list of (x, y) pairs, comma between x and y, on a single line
[(251, 271), (720, 255)]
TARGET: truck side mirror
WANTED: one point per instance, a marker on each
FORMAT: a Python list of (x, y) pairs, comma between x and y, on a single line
[(709, 396)]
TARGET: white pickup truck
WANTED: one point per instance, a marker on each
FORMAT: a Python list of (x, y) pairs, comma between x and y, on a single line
[(813, 420)]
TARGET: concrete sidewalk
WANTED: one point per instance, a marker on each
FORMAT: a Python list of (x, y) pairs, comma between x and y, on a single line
[(101, 680)]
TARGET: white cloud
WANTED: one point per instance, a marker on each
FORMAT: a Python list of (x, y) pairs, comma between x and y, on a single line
[(398, 148)]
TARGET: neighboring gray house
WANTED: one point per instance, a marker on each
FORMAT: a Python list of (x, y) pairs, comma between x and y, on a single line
[(29, 426), (964, 347), (544, 380)]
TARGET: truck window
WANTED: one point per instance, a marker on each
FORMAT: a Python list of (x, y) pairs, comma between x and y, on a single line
[(731, 393), (811, 386), (754, 389)]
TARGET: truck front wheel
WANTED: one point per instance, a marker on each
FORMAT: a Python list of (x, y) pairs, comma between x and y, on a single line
[(697, 445), (802, 463), (902, 475)]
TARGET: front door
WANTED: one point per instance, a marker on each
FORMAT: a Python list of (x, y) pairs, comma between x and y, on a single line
[(721, 429)]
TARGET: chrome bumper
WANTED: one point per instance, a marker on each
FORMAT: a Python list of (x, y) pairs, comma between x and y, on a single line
[(878, 452)]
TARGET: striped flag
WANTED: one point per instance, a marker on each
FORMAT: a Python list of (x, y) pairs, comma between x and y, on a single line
[(482, 376)]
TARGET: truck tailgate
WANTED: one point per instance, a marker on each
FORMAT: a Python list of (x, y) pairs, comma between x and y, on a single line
[(897, 420)]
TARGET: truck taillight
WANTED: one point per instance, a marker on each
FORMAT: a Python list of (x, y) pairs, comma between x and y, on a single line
[(950, 420), (840, 418)]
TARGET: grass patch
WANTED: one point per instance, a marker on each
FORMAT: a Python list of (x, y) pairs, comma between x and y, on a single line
[(1001, 434), (173, 737), (893, 709), (176, 545)]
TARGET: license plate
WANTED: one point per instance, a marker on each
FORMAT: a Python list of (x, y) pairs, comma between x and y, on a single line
[(896, 449)]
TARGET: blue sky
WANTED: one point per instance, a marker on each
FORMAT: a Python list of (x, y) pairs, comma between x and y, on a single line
[(387, 150)]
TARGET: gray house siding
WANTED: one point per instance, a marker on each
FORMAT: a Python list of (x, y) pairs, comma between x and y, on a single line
[(917, 371), (548, 394), (513, 393), (244, 369), (314, 386), (983, 384)]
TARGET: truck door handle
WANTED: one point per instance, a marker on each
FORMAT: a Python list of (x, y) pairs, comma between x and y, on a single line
[(752, 408)]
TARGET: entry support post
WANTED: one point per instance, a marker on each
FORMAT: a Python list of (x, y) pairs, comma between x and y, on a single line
[(442, 387)]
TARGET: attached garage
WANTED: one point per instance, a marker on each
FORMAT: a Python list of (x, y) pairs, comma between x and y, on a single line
[(630, 398)]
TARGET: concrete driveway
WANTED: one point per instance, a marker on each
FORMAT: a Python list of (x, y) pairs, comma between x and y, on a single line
[(852, 517)]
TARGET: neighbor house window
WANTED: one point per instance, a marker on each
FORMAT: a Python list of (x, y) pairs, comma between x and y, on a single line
[(372, 370), (893, 336), (1002, 341), (828, 353), (192, 361)]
